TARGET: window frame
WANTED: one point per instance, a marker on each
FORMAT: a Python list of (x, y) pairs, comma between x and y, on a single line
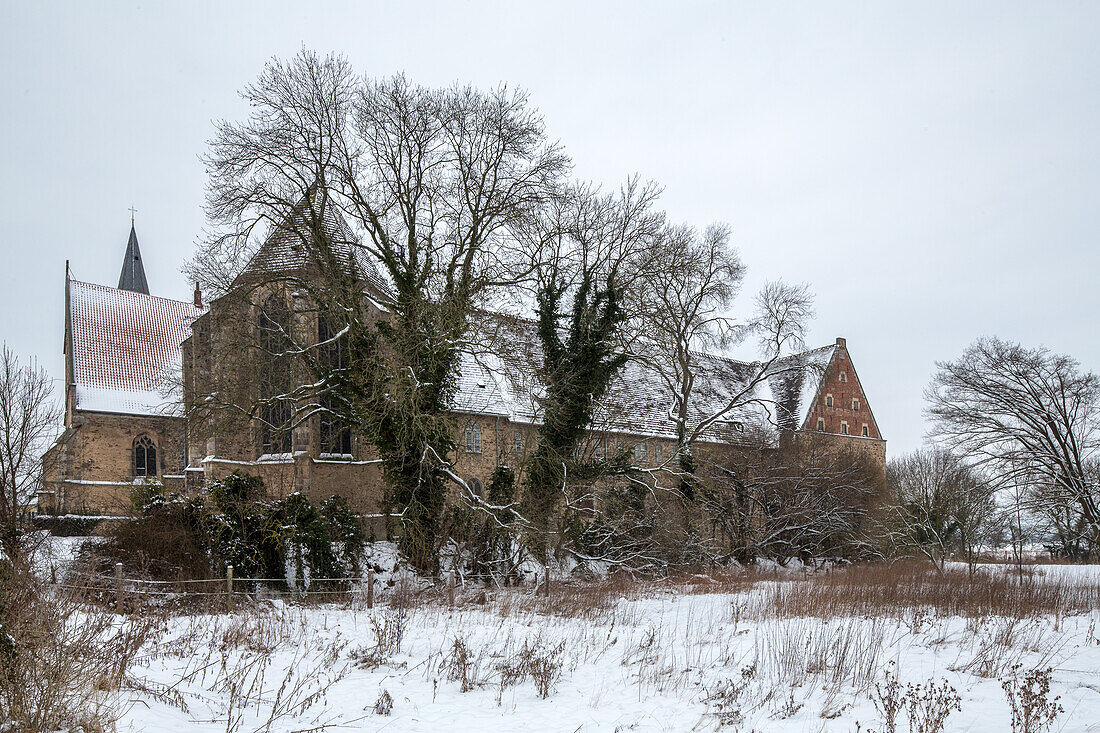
[(473, 437), (146, 445)]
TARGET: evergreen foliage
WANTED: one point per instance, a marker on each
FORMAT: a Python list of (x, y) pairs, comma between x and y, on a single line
[(577, 370), (232, 523)]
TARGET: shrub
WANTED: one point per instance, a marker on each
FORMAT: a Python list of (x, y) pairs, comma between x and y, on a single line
[(1033, 710), (231, 523), (60, 663)]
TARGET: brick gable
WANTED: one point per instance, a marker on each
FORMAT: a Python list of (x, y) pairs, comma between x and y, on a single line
[(849, 402)]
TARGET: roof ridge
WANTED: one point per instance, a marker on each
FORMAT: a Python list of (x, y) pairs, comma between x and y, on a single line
[(135, 293)]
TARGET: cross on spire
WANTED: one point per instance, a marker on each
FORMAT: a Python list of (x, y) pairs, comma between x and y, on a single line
[(133, 272)]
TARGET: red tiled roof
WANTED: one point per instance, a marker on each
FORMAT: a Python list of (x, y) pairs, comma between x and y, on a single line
[(124, 342)]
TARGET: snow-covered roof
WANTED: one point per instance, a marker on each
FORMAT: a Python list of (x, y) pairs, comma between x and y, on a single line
[(793, 385), (126, 349), (284, 252), (501, 381)]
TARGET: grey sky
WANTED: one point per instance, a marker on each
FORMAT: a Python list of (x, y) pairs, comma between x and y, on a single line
[(932, 171)]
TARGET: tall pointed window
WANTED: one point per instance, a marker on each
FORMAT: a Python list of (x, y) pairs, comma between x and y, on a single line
[(473, 438), (145, 457), (335, 432), (275, 408)]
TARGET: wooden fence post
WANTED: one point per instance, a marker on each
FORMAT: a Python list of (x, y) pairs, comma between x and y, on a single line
[(229, 587), (118, 587), (370, 588), (451, 588)]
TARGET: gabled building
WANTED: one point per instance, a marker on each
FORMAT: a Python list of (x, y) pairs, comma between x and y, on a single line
[(138, 368), (123, 413)]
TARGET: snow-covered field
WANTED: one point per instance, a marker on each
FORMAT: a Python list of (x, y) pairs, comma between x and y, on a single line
[(660, 657)]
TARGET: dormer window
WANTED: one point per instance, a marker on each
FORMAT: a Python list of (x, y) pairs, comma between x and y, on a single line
[(855, 405), (844, 376), (821, 425), (828, 400), (843, 428)]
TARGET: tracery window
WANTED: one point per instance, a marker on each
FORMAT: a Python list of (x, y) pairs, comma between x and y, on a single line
[(145, 456), (274, 376), (335, 433), (473, 438)]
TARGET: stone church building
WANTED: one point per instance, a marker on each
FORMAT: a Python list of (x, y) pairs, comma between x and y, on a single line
[(134, 360)]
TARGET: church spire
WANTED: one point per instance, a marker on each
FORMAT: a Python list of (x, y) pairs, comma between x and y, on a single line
[(133, 272)]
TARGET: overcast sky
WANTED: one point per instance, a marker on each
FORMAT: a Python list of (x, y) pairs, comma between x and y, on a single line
[(933, 172)]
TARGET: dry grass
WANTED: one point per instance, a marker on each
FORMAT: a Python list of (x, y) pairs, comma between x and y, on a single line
[(62, 661), (899, 589)]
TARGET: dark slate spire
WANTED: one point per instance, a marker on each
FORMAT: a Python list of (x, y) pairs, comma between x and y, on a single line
[(133, 272)]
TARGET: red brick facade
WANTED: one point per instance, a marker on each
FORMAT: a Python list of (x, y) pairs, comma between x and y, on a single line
[(841, 406)]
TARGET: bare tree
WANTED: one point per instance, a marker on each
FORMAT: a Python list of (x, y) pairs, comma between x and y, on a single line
[(782, 505), (29, 417), (938, 505), (433, 182), (1029, 415), (685, 308), (588, 250)]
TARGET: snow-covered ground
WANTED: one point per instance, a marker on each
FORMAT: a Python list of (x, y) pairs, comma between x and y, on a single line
[(662, 660)]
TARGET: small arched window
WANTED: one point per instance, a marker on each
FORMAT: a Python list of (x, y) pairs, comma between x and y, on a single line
[(145, 457), (475, 486), (828, 400)]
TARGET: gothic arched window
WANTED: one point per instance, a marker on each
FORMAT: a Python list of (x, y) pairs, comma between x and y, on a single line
[(145, 457), (473, 438), (274, 377), (335, 433)]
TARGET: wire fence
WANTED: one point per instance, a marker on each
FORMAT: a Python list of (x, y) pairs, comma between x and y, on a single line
[(228, 588)]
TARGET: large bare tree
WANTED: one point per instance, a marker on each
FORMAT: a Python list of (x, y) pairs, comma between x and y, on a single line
[(433, 182), (588, 249), (29, 417), (1028, 414), (686, 308)]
